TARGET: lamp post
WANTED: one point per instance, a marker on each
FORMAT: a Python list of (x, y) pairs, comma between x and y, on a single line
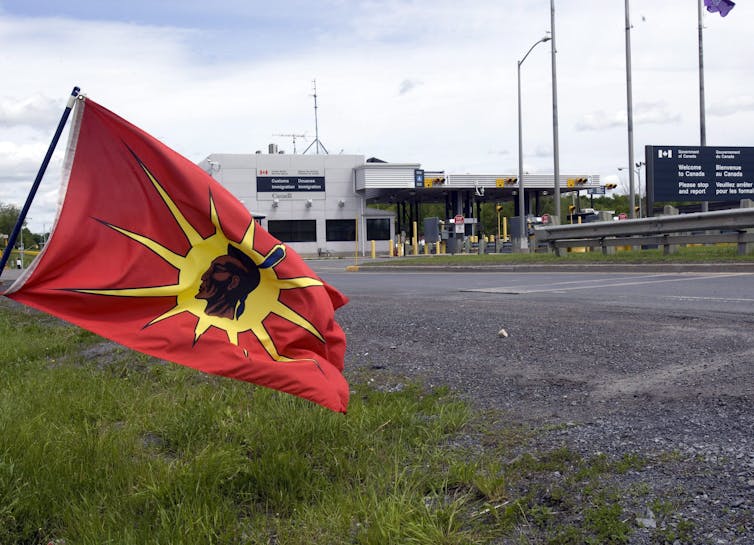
[(521, 204), (637, 170)]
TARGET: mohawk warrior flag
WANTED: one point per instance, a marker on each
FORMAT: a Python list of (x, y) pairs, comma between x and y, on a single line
[(151, 252)]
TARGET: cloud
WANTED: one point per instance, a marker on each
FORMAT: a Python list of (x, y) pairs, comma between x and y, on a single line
[(731, 105), (654, 113), (407, 85), (541, 150), (20, 161), (599, 120), (644, 113), (35, 111)]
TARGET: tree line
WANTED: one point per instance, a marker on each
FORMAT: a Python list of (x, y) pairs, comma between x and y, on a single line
[(9, 214)]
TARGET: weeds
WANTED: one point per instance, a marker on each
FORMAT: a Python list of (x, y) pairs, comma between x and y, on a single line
[(98, 445)]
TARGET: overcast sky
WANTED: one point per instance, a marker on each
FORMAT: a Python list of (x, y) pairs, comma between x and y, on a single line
[(426, 81)]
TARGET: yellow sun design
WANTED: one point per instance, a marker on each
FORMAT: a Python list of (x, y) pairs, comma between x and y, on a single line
[(260, 302)]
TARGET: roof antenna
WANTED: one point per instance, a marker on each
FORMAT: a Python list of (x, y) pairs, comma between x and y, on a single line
[(294, 136), (316, 126)]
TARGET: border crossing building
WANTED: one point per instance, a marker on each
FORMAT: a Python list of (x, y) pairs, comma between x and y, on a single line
[(321, 203)]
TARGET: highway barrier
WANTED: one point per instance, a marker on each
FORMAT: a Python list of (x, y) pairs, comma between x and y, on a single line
[(668, 231)]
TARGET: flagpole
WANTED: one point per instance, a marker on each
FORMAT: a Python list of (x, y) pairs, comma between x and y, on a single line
[(630, 118), (38, 180), (702, 122)]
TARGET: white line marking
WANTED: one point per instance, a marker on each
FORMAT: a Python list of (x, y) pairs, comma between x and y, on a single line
[(725, 299), (611, 284)]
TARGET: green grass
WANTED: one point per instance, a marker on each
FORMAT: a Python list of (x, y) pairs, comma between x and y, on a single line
[(692, 254), (102, 445)]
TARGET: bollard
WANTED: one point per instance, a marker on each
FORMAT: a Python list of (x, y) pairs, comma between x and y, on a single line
[(374, 248), (668, 249), (745, 247)]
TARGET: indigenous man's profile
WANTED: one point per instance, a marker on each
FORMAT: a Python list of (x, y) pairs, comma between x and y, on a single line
[(227, 282)]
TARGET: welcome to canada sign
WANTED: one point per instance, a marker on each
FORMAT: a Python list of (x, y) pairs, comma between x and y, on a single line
[(700, 173)]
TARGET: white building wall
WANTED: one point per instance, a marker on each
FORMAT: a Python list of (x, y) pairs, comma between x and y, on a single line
[(239, 173)]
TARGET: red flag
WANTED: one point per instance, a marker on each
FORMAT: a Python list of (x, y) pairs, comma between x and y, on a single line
[(149, 251)]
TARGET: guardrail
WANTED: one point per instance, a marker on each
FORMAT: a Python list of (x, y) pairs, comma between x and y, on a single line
[(666, 231)]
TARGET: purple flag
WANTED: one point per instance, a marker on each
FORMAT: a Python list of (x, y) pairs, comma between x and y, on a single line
[(721, 6)]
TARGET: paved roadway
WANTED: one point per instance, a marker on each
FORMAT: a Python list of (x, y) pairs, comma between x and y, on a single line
[(700, 292), (693, 292)]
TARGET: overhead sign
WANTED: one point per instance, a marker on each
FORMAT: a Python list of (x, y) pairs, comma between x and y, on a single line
[(418, 177), (700, 173), (283, 180)]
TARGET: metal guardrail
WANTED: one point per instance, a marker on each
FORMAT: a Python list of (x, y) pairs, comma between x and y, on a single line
[(666, 231)]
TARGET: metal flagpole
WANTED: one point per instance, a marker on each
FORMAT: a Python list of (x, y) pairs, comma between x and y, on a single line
[(702, 124), (630, 116), (38, 180)]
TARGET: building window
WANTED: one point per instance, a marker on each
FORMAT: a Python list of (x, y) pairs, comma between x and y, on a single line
[(341, 230), (293, 230), (378, 229)]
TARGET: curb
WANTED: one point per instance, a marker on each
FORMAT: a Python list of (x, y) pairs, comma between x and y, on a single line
[(572, 267)]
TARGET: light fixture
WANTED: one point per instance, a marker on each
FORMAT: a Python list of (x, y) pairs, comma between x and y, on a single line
[(275, 203), (341, 203), (524, 243), (309, 203)]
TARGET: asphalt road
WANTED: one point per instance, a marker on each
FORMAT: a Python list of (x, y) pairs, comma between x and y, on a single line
[(699, 292)]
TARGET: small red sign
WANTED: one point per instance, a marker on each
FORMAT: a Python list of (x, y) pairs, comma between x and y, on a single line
[(622, 216), (458, 219)]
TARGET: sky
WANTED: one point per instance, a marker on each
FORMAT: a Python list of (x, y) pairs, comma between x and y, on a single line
[(419, 81)]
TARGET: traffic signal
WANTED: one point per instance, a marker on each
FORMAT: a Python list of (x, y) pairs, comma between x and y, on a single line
[(571, 208), (573, 182), (611, 186), (502, 182), (498, 208), (431, 182)]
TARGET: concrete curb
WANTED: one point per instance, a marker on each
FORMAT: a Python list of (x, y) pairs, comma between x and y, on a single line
[(570, 267)]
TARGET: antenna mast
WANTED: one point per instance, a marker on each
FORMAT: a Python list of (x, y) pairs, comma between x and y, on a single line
[(316, 125), (294, 136)]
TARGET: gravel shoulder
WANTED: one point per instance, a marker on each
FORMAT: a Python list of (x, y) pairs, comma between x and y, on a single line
[(673, 388)]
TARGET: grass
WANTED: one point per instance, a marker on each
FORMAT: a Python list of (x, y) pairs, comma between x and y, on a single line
[(102, 445), (726, 253)]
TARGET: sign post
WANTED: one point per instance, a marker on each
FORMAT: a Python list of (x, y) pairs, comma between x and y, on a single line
[(459, 221)]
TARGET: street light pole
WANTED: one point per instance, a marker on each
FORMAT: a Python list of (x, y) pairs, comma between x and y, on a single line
[(638, 178), (524, 244), (637, 170)]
